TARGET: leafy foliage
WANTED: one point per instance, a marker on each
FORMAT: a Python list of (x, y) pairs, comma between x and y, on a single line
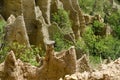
[(107, 46), (97, 27), (61, 18), (60, 42), (114, 21), (23, 53), (2, 24), (86, 5)]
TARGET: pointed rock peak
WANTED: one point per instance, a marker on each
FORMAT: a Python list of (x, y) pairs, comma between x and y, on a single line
[(11, 19), (10, 59), (72, 47), (71, 50)]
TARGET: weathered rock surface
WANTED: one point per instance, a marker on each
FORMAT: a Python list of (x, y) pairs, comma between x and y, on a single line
[(28, 10), (83, 64), (110, 71), (16, 31), (42, 35), (11, 7), (45, 8), (55, 5), (1, 6)]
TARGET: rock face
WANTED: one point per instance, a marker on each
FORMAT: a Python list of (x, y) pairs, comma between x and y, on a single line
[(12, 7), (45, 8), (42, 35), (1, 6), (16, 31)]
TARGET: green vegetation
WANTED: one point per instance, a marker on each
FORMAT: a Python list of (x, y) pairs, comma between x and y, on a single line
[(105, 47), (97, 27), (2, 24), (86, 5), (22, 53), (61, 17), (60, 42), (114, 21)]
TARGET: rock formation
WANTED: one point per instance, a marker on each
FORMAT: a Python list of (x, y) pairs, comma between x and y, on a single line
[(45, 8), (76, 6), (67, 4), (35, 22), (55, 65), (1, 6), (83, 64), (16, 31), (42, 35)]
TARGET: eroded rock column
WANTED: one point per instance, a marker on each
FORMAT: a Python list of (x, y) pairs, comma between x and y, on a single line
[(81, 17), (45, 8), (16, 31), (67, 4)]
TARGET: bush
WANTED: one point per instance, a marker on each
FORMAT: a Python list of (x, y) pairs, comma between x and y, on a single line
[(86, 5), (61, 18), (107, 46), (97, 27), (2, 24), (114, 21), (60, 42), (22, 53)]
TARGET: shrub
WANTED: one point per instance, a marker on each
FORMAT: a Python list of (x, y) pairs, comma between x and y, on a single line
[(60, 42), (97, 27), (2, 24), (61, 18), (23, 53), (86, 5), (114, 21), (107, 46)]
